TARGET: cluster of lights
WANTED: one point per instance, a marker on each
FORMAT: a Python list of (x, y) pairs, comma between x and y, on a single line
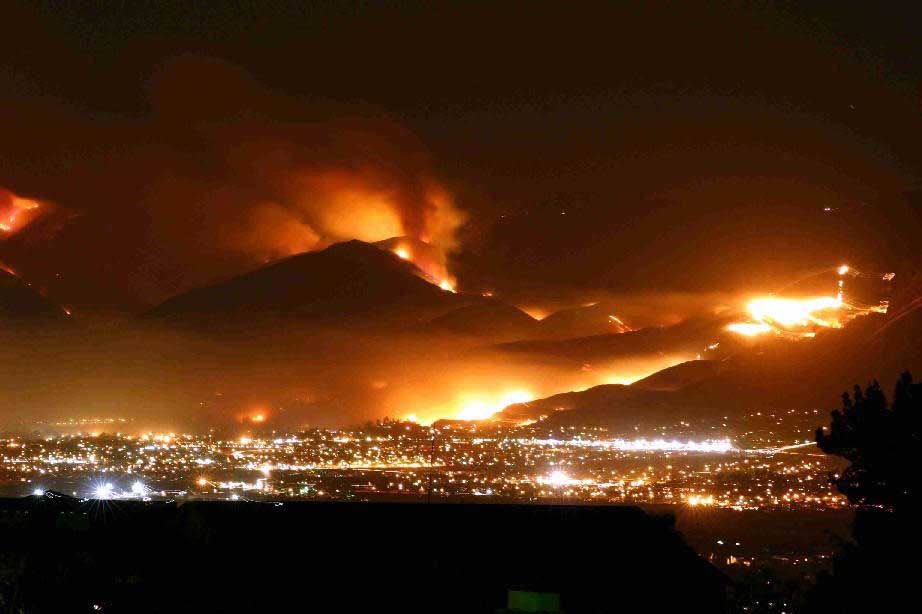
[(762, 467), (106, 490), (642, 444), (700, 500), (558, 478)]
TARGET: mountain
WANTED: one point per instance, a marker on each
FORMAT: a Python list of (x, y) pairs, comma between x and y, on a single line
[(689, 337), (594, 319), (489, 319), (681, 375), (346, 281), (759, 374), (18, 299), (613, 406)]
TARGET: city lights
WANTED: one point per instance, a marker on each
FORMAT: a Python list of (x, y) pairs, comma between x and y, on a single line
[(103, 491), (771, 464)]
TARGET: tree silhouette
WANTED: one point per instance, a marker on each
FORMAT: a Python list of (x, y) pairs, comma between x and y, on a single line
[(871, 572), (881, 444)]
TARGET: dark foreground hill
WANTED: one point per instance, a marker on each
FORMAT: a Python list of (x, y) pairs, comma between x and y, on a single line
[(63, 555), (346, 281)]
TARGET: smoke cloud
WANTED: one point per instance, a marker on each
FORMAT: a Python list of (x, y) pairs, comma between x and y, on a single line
[(220, 176)]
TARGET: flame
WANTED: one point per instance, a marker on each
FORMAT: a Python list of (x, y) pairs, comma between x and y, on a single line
[(793, 312), (619, 324), (801, 317), (749, 329), (480, 408), (772, 314), (430, 260), (15, 211)]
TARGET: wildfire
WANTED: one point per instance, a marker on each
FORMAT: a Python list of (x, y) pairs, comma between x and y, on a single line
[(789, 315), (749, 329), (482, 408), (15, 211), (429, 260), (800, 317)]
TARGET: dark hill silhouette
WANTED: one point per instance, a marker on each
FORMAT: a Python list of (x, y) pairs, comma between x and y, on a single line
[(614, 406), (690, 336), (350, 280), (18, 299), (595, 319), (490, 319), (482, 552), (768, 373), (680, 376)]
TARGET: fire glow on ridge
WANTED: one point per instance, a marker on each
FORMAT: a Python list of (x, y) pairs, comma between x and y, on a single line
[(771, 313)]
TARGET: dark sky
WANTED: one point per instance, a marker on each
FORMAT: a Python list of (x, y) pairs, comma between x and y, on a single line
[(639, 147)]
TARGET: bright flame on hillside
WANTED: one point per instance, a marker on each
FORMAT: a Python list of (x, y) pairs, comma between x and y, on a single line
[(619, 324), (793, 312), (15, 211), (749, 329), (800, 317), (482, 408), (402, 253), (789, 315)]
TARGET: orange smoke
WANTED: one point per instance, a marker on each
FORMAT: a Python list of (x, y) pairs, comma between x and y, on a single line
[(370, 190), (16, 212), (266, 181)]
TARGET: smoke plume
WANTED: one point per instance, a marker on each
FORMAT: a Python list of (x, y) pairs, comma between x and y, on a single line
[(220, 176)]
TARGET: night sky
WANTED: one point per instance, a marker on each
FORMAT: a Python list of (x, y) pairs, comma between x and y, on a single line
[(548, 149)]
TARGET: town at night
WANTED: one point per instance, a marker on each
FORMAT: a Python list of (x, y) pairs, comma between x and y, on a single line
[(475, 307)]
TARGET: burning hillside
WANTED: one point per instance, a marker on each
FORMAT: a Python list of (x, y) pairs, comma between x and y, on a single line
[(16, 212), (802, 317)]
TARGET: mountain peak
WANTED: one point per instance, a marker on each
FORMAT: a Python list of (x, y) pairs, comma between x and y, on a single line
[(345, 280)]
